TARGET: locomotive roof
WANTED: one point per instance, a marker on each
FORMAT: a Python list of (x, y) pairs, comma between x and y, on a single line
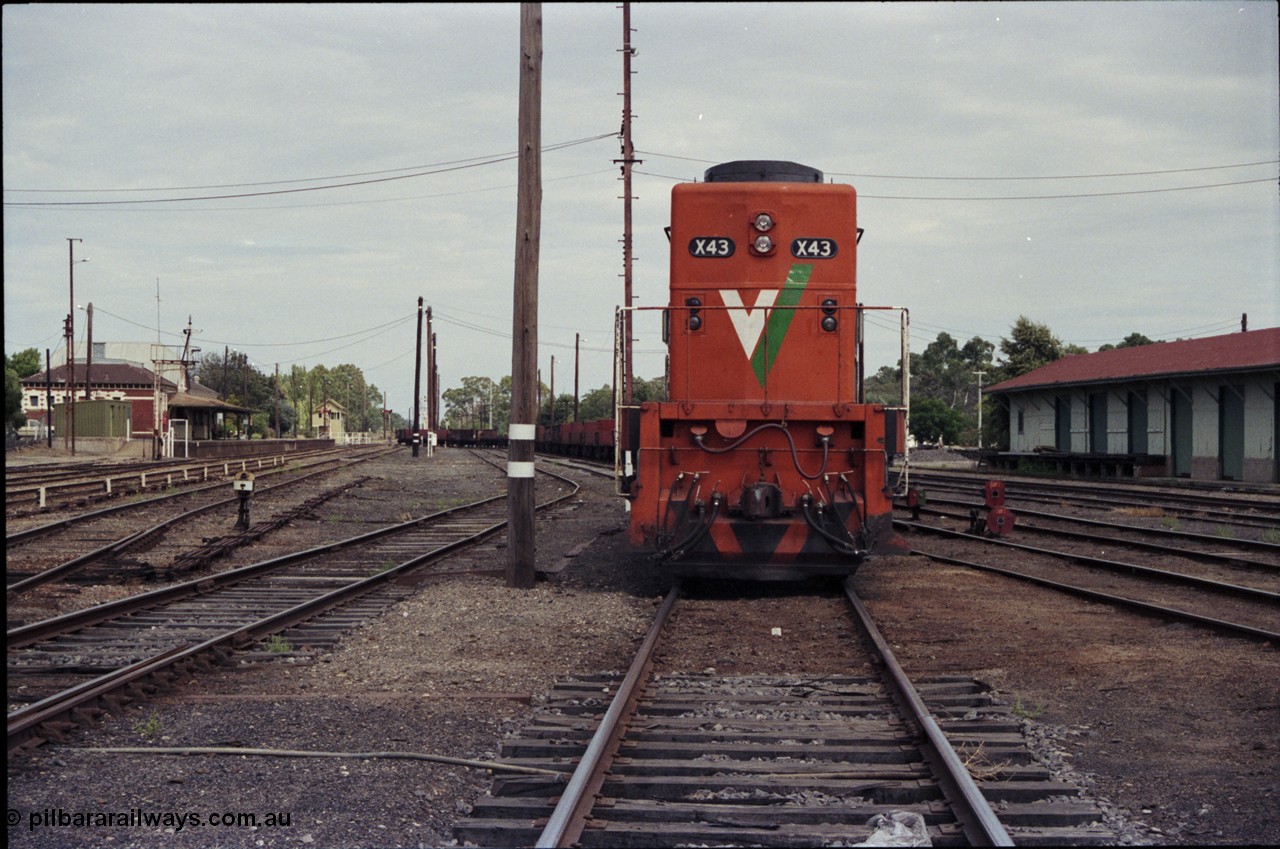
[(762, 171)]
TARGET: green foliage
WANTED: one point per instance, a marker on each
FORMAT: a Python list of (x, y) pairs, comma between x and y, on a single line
[(13, 397), (148, 727), (1029, 346), (478, 403), (1026, 712), (933, 420), (1133, 340), (277, 644), (21, 365), (26, 362)]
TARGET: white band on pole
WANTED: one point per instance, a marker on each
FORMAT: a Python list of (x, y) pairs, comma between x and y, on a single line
[(522, 431), (519, 470)]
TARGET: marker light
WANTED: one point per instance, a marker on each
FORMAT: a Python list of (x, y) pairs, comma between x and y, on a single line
[(764, 222), (763, 244), (695, 315)]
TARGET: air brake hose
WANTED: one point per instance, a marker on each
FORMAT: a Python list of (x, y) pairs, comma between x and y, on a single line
[(848, 547), (795, 457), (679, 550)]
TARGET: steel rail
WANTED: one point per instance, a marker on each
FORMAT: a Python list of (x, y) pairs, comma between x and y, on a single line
[(122, 544), (99, 485), (1193, 581), (566, 822), (1233, 628), (24, 722), (1221, 510), (1183, 492), (50, 527), (1208, 539), (979, 822)]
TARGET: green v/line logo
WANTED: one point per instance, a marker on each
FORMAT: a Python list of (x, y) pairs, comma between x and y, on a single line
[(762, 328)]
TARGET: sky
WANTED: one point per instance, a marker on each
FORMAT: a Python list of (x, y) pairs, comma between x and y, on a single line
[(294, 177)]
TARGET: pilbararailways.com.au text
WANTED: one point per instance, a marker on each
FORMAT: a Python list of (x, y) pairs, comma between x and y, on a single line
[(139, 818)]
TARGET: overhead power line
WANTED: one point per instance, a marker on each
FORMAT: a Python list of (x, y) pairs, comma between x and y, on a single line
[(1030, 177), (457, 165)]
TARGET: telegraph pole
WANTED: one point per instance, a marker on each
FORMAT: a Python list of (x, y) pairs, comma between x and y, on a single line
[(628, 159), (88, 354), (521, 572), (431, 370), (71, 344), (979, 374), (434, 380), (417, 382), (48, 400), (577, 339)]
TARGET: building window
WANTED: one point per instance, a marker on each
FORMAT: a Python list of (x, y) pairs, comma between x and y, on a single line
[(1020, 415), (35, 400)]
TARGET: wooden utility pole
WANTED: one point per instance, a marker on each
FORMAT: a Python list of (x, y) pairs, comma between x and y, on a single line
[(48, 399), (431, 371), (524, 349), (435, 385), (417, 382), (577, 340), (88, 356), (623, 395), (279, 432), (628, 159)]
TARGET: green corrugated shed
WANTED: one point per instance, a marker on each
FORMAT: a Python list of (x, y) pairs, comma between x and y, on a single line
[(96, 418)]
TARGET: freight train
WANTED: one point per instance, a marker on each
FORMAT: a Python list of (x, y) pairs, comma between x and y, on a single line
[(765, 462)]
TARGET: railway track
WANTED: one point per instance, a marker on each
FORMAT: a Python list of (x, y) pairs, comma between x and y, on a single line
[(33, 491), (1233, 592), (666, 756), (66, 671), (1252, 510), (145, 539)]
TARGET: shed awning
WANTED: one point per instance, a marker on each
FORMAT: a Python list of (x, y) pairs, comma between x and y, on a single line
[(185, 400)]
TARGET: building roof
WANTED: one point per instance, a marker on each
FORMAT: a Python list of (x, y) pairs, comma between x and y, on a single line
[(1252, 350), (187, 401), (117, 374)]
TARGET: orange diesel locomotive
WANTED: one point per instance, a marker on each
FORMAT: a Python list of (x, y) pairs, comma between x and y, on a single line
[(764, 463)]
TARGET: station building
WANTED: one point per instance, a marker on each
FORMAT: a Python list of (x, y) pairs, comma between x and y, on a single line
[(1206, 409)]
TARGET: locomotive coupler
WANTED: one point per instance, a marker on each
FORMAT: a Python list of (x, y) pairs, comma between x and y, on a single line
[(762, 500)]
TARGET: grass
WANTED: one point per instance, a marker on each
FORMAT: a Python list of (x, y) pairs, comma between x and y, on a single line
[(1170, 523), (1225, 532), (1025, 712), (148, 727), (978, 763), (277, 644), (1140, 512), (1272, 536)]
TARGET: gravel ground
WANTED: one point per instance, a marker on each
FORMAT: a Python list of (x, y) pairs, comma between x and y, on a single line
[(1172, 728)]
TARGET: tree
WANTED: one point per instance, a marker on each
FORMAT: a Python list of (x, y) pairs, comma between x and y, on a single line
[(1029, 346), (933, 420), (1133, 340), (25, 363), (12, 396), (479, 403), (596, 404)]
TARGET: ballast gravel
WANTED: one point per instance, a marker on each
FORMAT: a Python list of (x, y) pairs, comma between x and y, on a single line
[(1170, 728)]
